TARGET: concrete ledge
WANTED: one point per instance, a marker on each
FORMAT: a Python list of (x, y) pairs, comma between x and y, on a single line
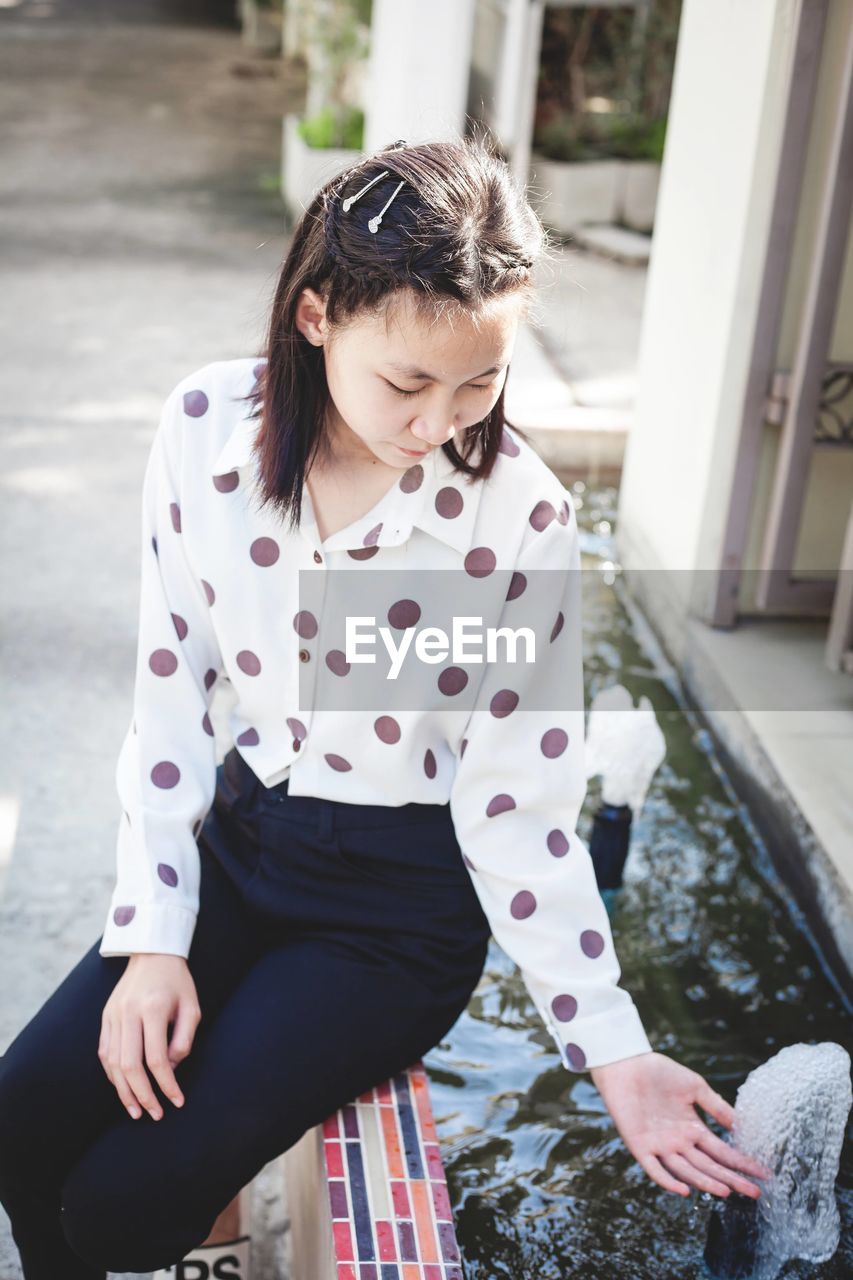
[(786, 764), (568, 436)]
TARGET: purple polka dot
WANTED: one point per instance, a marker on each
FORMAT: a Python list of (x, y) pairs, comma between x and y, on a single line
[(249, 662), (371, 538), (576, 1056), (504, 702), (337, 762), (167, 874), (206, 725), (208, 591), (452, 680), (557, 843), (175, 513), (154, 545), (387, 729), (209, 678), (180, 626), (449, 502), (165, 775), (564, 1007), (411, 480), (363, 553), (248, 738), (124, 915), (542, 515), (297, 728), (522, 905), (305, 624), (563, 513), (480, 562), (592, 943), (259, 369), (554, 743), (517, 583), (228, 482), (468, 863), (195, 403), (557, 627), (501, 803), (463, 744), (336, 661), (404, 613), (508, 445), (163, 662), (430, 766), (264, 551)]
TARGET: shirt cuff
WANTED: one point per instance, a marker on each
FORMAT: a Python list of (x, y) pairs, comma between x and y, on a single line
[(154, 927), (606, 1037)]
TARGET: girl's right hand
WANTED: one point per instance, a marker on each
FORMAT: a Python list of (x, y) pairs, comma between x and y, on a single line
[(154, 991)]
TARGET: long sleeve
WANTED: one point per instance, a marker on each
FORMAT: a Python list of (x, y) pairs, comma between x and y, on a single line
[(166, 769), (515, 800)]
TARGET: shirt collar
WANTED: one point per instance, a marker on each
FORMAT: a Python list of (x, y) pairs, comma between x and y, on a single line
[(433, 496)]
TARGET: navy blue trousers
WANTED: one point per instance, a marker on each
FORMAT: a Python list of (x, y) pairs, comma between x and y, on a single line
[(335, 945)]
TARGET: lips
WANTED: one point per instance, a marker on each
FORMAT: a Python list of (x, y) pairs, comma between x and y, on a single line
[(414, 453)]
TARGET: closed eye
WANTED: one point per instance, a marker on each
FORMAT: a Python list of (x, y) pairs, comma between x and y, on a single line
[(474, 386)]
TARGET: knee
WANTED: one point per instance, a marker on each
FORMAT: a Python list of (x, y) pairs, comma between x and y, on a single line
[(118, 1224)]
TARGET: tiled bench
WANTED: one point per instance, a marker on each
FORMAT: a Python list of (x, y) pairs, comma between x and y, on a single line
[(366, 1191), (366, 1196)]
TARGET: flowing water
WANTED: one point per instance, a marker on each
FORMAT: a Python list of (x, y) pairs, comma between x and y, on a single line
[(723, 971)]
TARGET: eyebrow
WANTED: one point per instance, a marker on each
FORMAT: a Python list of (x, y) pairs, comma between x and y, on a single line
[(411, 372)]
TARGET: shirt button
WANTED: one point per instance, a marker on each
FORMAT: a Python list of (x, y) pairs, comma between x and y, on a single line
[(304, 655), (318, 559)]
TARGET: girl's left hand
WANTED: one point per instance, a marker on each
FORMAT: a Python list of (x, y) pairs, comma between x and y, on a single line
[(650, 1098)]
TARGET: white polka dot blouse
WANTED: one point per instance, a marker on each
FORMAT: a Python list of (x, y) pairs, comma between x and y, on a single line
[(231, 597)]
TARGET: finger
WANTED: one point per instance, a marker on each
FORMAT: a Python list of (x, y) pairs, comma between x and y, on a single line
[(715, 1105), (183, 1032), (104, 1049), (154, 1028), (698, 1157), (109, 1054), (121, 1085), (730, 1156), (131, 1065), (696, 1177), (656, 1170)]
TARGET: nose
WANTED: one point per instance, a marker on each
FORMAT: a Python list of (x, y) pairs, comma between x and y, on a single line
[(433, 432)]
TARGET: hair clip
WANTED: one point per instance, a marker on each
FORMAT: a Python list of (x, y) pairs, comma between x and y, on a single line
[(350, 200), (373, 224)]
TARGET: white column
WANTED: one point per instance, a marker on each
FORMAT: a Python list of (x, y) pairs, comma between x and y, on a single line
[(420, 58), (711, 228)]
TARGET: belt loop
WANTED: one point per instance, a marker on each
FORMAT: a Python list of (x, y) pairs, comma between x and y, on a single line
[(326, 825)]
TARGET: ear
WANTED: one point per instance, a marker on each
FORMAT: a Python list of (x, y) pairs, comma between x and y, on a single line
[(310, 317)]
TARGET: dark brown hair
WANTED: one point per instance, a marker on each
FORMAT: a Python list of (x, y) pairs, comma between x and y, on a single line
[(461, 234)]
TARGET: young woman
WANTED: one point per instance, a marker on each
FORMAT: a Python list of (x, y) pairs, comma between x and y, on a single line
[(297, 923)]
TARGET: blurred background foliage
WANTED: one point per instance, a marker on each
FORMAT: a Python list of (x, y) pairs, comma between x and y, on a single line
[(605, 79)]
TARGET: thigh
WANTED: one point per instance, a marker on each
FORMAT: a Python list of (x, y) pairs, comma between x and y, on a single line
[(54, 1093), (313, 1024)]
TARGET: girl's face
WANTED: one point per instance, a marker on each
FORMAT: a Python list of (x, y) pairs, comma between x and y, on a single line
[(400, 386)]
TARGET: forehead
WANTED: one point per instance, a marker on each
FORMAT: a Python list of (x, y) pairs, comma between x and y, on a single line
[(448, 339)]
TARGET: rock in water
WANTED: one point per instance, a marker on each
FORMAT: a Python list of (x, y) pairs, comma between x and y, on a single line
[(790, 1114)]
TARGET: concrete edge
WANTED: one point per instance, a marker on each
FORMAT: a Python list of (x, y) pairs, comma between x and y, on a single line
[(797, 854)]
